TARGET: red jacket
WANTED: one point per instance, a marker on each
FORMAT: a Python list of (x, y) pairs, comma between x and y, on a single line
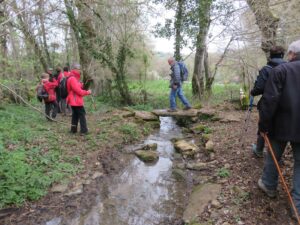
[(75, 89), (61, 75), (50, 88)]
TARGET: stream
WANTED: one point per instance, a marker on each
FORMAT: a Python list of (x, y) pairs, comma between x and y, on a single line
[(141, 194)]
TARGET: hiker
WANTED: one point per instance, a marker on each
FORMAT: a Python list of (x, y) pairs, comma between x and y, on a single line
[(50, 72), (280, 120), (176, 86), (75, 100), (50, 101), (276, 58), (64, 107), (56, 76)]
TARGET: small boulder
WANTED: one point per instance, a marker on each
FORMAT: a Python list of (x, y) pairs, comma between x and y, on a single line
[(59, 188), (147, 155), (186, 149), (152, 147), (197, 166), (209, 146), (97, 175)]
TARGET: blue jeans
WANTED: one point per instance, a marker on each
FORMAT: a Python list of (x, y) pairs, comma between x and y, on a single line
[(270, 174), (178, 91)]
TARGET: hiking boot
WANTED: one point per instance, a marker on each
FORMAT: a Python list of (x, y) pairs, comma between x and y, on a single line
[(262, 186), (84, 134), (172, 110), (187, 108), (258, 154)]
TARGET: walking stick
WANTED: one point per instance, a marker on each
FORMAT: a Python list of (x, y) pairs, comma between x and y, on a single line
[(281, 176), (247, 120)]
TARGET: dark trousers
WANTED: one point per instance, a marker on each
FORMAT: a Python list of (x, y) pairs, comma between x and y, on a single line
[(260, 144), (78, 114), (51, 109)]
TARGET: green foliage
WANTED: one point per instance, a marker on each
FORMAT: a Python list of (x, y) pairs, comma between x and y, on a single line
[(26, 174), (30, 159), (130, 131), (223, 172)]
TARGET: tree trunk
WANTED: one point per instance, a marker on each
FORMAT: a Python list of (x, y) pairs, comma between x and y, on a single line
[(43, 30), (3, 42), (178, 30), (266, 22), (204, 22), (86, 36), (84, 32)]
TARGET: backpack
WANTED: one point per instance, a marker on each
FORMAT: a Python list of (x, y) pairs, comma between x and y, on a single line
[(184, 73), (41, 93), (62, 87)]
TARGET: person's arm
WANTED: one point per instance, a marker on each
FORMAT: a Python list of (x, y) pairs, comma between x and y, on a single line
[(76, 87), (270, 99), (260, 82)]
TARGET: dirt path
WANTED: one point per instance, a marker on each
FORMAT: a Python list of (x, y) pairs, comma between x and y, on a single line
[(241, 200)]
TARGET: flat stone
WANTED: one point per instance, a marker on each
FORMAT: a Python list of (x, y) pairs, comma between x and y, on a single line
[(178, 113), (127, 114), (201, 196), (229, 118), (147, 155), (185, 148), (75, 191), (216, 204), (60, 188), (207, 112), (97, 175), (197, 166), (147, 116)]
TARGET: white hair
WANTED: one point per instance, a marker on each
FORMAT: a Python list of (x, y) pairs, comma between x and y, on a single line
[(76, 66), (294, 47)]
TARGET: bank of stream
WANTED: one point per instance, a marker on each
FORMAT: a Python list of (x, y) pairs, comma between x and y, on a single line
[(141, 193)]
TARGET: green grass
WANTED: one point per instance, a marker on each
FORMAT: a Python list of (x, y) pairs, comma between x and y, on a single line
[(158, 94), (30, 158), (223, 172)]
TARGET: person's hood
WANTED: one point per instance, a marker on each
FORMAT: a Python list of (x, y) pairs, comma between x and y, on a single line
[(75, 73), (276, 61)]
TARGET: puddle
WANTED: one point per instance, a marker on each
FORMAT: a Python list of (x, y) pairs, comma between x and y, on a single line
[(142, 194)]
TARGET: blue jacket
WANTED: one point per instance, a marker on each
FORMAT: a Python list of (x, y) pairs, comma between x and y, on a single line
[(175, 74)]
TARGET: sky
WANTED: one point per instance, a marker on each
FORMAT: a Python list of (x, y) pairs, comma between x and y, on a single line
[(216, 42)]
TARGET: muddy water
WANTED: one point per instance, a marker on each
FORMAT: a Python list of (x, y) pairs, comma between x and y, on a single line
[(142, 194)]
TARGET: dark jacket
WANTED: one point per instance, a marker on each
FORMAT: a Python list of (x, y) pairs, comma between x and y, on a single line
[(175, 74), (263, 76), (280, 104)]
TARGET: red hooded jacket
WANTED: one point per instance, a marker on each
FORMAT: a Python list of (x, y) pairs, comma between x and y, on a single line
[(50, 88), (75, 89)]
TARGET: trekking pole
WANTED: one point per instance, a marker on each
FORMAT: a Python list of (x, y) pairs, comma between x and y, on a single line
[(247, 120), (281, 176)]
